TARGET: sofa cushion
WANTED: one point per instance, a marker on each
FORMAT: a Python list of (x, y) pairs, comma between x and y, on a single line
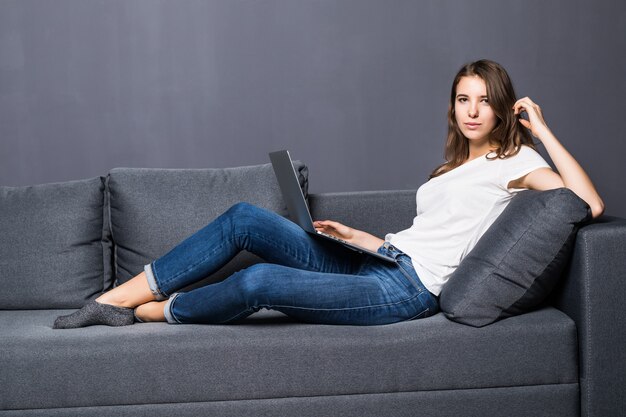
[(51, 245), (517, 262), (154, 209), (266, 357)]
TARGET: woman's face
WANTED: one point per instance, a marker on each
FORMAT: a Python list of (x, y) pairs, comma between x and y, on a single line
[(472, 111)]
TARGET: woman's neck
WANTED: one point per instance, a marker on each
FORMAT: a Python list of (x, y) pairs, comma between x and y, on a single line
[(477, 151)]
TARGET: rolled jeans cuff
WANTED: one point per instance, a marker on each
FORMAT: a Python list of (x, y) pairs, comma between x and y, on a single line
[(154, 288), (167, 310)]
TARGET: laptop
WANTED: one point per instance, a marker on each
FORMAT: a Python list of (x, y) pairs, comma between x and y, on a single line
[(296, 204)]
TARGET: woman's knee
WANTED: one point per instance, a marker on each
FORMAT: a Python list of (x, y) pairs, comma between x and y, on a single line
[(254, 280), (241, 216), (245, 218), (242, 209)]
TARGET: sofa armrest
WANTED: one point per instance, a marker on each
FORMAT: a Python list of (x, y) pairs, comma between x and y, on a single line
[(592, 293), (376, 212)]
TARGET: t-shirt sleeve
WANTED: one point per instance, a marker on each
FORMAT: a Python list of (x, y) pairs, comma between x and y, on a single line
[(526, 161)]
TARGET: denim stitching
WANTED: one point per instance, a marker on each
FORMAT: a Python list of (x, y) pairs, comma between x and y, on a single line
[(408, 275), (420, 315)]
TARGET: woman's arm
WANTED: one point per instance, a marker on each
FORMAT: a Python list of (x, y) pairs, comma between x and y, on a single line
[(357, 237), (570, 173)]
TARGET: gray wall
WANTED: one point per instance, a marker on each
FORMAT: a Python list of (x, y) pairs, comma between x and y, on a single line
[(355, 88)]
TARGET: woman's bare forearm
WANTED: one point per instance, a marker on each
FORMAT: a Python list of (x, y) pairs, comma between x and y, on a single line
[(366, 240), (574, 176)]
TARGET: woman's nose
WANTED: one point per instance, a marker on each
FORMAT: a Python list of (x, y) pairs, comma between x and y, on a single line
[(473, 110)]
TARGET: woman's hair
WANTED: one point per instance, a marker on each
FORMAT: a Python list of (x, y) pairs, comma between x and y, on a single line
[(507, 136)]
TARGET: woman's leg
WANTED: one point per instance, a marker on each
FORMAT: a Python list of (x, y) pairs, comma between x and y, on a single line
[(380, 294), (244, 226), (264, 233)]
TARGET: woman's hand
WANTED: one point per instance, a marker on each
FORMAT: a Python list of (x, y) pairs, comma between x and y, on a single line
[(335, 229), (535, 123), (354, 236)]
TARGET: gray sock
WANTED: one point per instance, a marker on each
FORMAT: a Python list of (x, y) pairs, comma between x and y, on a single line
[(94, 313)]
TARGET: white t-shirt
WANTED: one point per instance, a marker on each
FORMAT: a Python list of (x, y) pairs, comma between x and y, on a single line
[(455, 209)]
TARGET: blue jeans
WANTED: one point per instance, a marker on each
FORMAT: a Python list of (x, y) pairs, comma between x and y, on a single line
[(306, 278)]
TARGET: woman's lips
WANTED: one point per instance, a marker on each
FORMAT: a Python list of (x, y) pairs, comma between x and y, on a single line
[(472, 126)]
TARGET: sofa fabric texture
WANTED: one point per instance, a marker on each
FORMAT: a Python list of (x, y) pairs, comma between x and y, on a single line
[(543, 400), (52, 245), (518, 260), (154, 209), (269, 356), (593, 295)]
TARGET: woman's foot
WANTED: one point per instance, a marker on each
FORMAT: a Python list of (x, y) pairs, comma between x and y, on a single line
[(152, 311), (94, 313), (129, 294), (113, 308)]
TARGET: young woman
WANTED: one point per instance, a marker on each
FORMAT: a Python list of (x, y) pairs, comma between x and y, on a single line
[(489, 157)]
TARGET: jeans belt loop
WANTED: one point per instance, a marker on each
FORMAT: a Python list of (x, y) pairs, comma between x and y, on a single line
[(392, 250)]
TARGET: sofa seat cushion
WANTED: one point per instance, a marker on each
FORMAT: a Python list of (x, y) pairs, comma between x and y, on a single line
[(154, 209), (273, 357)]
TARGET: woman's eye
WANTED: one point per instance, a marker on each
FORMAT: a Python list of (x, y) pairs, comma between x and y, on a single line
[(462, 99)]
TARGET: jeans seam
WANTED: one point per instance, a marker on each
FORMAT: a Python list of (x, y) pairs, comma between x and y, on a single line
[(408, 276), (421, 314)]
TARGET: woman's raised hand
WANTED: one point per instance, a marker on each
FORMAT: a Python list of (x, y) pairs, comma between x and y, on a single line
[(536, 123)]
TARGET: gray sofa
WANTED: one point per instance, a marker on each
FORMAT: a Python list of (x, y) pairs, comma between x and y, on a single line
[(63, 244)]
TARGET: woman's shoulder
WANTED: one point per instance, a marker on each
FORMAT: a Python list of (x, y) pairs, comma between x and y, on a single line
[(522, 149), (526, 160), (527, 149), (523, 153)]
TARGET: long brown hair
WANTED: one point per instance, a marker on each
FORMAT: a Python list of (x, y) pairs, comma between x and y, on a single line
[(507, 136)]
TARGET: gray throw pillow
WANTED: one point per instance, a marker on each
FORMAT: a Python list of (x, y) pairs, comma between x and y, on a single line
[(51, 245), (152, 210), (517, 262)]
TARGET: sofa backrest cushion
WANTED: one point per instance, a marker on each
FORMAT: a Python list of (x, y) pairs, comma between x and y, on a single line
[(517, 261), (154, 209), (51, 245)]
